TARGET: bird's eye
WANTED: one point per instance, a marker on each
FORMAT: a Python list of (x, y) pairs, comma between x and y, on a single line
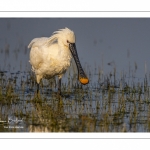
[(68, 41)]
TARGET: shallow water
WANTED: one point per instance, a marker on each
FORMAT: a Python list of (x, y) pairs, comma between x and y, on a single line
[(102, 106)]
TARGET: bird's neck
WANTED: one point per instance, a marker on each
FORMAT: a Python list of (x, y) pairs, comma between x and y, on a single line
[(64, 52)]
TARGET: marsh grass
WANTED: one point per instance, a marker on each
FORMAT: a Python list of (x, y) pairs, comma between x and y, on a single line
[(110, 103)]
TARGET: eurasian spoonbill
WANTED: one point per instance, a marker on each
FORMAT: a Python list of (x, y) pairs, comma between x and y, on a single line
[(51, 56)]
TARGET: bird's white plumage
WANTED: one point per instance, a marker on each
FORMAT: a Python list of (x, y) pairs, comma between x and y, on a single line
[(51, 56)]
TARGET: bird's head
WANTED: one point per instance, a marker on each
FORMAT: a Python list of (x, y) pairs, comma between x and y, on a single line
[(67, 38), (64, 36)]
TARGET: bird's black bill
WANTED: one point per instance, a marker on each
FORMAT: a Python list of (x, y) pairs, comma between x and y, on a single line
[(82, 76)]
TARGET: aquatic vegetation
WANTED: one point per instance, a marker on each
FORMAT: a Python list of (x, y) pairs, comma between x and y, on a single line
[(110, 103)]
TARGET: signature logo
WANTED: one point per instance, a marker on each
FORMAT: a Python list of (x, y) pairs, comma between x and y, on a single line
[(15, 121)]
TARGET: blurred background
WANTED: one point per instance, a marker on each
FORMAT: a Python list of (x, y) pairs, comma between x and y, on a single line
[(102, 43)]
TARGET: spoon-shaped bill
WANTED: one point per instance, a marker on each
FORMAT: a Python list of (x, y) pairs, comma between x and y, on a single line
[(81, 75)]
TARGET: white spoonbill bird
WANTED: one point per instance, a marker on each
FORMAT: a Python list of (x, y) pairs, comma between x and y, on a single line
[(51, 56)]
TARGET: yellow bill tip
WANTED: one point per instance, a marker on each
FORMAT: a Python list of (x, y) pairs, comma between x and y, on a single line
[(84, 80)]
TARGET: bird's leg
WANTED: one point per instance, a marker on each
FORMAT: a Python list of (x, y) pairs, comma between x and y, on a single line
[(38, 78), (37, 93), (38, 88), (59, 86)]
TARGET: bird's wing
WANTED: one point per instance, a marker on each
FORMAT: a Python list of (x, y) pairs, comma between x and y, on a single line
[(36, 58), (41, 54), (37, 42), (36, 53)]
